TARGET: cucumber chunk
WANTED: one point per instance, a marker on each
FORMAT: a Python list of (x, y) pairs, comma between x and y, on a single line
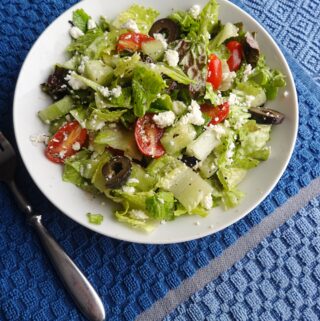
[(208, 167), (56, 110), (98, 72), (154, 49), (186, 185), (178, 137), (203, 145)]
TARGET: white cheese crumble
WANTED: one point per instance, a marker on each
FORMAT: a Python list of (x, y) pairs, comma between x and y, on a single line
[(130, 25), (91, 24), (75, 32), (133, 181), (83, 64), (138, 214), (197, 223), (178, 107), (74, 82), (162, 39), (286, 94), (105, 92), (116, 92), (247, 72), (152, 66), (230, 153), (194, 116), (164, 119), (207, 202), (233, 99), (195, 11), (172, 57), (62, 154), (163, 222), (39, 139), (76, 146), (128, 189)]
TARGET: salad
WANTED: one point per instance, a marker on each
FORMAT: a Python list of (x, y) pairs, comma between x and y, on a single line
[(164, 117)]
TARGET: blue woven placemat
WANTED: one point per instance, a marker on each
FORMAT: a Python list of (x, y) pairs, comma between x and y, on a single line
[(278, 280), (131, 277)]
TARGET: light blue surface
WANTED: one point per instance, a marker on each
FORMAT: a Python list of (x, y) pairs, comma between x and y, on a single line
[(131, 277), (278, 280)]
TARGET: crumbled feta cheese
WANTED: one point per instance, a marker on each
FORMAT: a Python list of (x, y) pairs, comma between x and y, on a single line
[(197, 223), (105, 92), (62, 154), (233, 99), (247, 71), (230, 153), (218, 129), (164, 119), (163, 222), (207, 202), (138, 214), (74, 82), (286, 94), (91, 24), (83, 64), (152, 66), (128, 189), (76, 146), (75, 32), (172, 57), (162, 39), (211, 227), (195, 11), (249, 100), (194, 116), (89, 166), (130, 25), (116, 92), (39, 139), (161, 200), (178, 107), (133, 181)]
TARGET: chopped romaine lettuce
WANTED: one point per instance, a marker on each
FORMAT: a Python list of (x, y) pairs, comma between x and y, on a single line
[(80, 19), (143, 17), (160, 206), (146, 85), (83, 42), (96, 219)]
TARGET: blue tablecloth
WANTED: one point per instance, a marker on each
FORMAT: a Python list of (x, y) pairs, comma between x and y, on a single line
[(214, 278)]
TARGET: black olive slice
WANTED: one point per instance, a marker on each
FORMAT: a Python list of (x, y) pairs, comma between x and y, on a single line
[(190, 161), (266, 116), (251, 49), (117, 171), (167, 27)]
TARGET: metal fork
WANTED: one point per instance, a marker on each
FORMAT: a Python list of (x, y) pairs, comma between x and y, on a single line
[(75, 282)]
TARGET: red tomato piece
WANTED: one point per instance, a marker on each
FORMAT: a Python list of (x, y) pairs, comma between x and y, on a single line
[(216, 113), (132, 41), (66, 142), (148, 135), (236, 52), (214, 71)]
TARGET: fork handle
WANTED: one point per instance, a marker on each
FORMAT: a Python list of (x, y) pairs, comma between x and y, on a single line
[(75, 282)]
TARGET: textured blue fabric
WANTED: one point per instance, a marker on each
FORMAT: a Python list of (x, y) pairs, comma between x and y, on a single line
[(130, 277), (278, 280)]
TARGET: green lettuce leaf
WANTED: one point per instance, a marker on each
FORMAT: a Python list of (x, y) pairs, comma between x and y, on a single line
[(80, 19), (231, 198), (208, 20), (146, 85), (83, 42), (269, 79), (161, 104), (160, 206), (144, 225), (229, 30), (144, 18), (176, 74), (96, 219)]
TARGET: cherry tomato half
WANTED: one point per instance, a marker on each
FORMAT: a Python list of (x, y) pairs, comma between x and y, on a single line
[(214, 71), (66, 142), (236, 52), (148, 135), (132, 41), (216, 113)]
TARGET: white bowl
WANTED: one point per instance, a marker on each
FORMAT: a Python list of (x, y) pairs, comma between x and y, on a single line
[(75, 203)]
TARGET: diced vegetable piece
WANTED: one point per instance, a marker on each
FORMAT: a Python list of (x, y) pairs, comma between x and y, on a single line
[(208, 167), (119, 138), (154, 49), (231, 177), (178, 137), (98, 72), (204, 144), (140, 179), (186, 185), (56, 110)]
